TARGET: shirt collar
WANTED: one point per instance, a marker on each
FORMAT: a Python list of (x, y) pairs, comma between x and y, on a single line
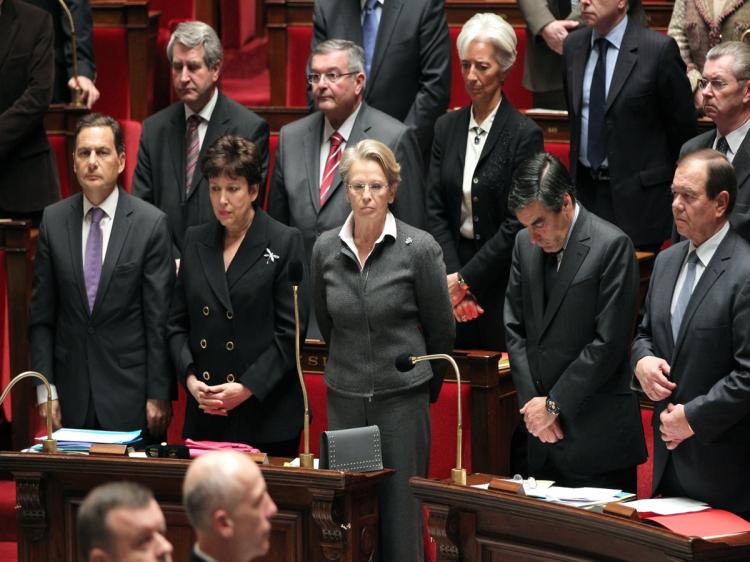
[(615, 34), (485, 125), (346, 127), (572, 225), (202, 555), (707, 250), (207, 110), (735, 138), (363, 2), (347, 234), (109, 205)]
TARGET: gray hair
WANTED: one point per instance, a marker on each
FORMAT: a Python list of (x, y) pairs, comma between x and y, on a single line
[(741, 53), (541, 178), (492, 29), (193, 34), (355, 55), (215, 490), (375, 151), (91, 521)]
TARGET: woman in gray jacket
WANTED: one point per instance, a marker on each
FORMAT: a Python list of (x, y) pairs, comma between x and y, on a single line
[(380, 292)]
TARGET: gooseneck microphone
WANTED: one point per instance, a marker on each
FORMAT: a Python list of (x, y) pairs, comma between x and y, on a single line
[(295, 273), (406, 362)]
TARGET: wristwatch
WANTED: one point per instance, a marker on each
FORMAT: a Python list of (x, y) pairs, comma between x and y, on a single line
[(460, 279), (551, 406)]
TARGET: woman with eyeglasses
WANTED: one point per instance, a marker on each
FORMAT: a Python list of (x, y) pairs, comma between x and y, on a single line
[(475, 152), (379, 292)]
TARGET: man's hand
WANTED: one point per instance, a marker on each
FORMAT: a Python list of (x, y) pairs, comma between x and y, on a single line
[(220, 399), (231, 395), (674, 426), (456, 290), (652, 373), (56, 414), (158, 414), (536, 417), (89, 93), (468, 309), (552, 434), (555, 32)]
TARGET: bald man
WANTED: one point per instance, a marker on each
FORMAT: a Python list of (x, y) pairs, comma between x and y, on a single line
[(228, 505)]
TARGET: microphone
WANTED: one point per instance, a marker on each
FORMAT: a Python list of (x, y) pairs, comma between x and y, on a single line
[(296, 273), (76, 94), (406, 362)]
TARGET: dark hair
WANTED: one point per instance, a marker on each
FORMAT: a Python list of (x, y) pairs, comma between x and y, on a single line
[(540, 178), (235, 157), (100, 120), (720, 174), (91, 521)]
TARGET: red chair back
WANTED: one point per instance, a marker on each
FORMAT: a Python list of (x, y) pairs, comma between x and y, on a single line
[(131, 134), (298, 39), (559, 149), (113, 76)]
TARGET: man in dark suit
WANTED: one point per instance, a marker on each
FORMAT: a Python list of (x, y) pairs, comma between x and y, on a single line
[(296, 197), (726, 101), (630, 112), (691, 354), (407, 55), (569, 312), (173, 140), (227, 503), (102, 282), (28, 176)]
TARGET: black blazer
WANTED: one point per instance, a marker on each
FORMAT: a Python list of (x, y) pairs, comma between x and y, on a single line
[(512, 139), (575, 349), (649, 115), (118, 354), (160, 173), (239, 326), (28, 176), (410, 78)]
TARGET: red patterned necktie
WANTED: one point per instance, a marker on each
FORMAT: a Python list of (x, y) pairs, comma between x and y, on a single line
[(332, 164), (193, 144)]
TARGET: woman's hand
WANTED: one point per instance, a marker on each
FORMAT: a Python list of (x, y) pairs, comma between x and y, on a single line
[(220, 399)]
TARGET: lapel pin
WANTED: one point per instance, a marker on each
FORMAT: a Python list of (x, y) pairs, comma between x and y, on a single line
[(408, 240), (270, 256)]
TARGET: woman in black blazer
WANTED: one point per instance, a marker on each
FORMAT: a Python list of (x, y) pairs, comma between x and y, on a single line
[(474, 153), (231, 328)]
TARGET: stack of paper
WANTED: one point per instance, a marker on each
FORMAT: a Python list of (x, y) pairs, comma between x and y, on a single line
[(80, 440), (668, 506)]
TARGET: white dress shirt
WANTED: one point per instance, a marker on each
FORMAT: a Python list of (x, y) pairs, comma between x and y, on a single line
[(347, 235), (206, 113), (734, 140), (325, 143)]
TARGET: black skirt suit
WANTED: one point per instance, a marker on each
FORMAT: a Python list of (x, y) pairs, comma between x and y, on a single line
[(483, 262), (238, 326)]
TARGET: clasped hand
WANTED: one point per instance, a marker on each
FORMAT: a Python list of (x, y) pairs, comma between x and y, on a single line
[(220, 399), (539, 422)]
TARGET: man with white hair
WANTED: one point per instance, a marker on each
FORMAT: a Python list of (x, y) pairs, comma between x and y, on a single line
[(227, 503)]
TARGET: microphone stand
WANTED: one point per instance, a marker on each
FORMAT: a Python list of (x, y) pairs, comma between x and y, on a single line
[(458, 474), (49, 445), (76, 97), (306, 458)]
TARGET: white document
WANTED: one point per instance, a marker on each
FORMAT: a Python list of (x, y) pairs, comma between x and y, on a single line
[(668, 506), (94, 436)]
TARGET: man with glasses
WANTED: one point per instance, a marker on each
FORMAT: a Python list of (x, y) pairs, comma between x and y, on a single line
[(306, 189), (726, 101)]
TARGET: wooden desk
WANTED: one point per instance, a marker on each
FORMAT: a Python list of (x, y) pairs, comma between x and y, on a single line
[(324, 515), (470, 524)]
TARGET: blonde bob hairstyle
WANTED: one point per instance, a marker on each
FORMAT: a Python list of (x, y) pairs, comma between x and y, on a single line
[(376, 151), (492, 29)]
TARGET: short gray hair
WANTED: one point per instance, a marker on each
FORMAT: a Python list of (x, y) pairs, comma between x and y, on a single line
[(375, 151), (193, 34), (215, 490), (355, 55), (741, 53), (492, 29)]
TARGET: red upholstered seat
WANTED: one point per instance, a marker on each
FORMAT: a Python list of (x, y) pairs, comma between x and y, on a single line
[(7, 512), (317, 397), (131, 135), (444, 416), (8, 551), (238, 22), (646, 470), (62, 158), (111, 51), (298, 39), (559, 149)]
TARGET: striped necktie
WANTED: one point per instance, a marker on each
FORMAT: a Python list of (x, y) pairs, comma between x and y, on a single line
[(92, 266), (193, 144), (332, 164)]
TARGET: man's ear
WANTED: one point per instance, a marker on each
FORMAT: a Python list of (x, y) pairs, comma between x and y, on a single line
[(223, 524), (98, 555)]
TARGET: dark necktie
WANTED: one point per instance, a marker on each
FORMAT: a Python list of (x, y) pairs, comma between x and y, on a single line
[(369, 33), (551, 264), (722, 145), (193, 144), (684, 297), (597, 141), (92, 266)]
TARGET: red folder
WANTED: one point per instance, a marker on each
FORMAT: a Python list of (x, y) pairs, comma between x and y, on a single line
[(712, 523)]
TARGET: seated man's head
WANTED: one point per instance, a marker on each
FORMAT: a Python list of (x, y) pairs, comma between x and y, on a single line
[(121, 522), (228, 505), (337, 78), (195, 56), (99, 156)]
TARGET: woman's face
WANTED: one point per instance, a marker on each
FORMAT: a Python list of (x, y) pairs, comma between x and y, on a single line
[(368, 203), (481, 73), (232, 201)]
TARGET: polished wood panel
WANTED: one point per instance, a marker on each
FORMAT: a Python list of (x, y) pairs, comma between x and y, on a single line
[(471, 524), (324, 515)]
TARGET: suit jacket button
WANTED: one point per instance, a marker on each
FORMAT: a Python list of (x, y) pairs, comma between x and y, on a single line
[(476, 218), (230, 345), (205, 311), (204, 344), (206, 376), (475, 181), (475, 199), (230, 315), (230, 377), (477, 237)]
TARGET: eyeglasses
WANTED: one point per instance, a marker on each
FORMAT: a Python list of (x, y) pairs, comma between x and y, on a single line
[(360, 187), (331, 77), (716, 84)]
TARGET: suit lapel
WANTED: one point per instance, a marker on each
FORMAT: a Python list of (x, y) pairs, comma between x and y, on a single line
[(498, 125), (458, 136), (625, 62), (312, 159), (573, 257), (360, 131), (75, 242), (661, 300), (250, 251), (176, 148), (536, 282), (211, 253), (117, 237), (578, 67), (216, 128), (8, 29), (741, 161), (388, 21)]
